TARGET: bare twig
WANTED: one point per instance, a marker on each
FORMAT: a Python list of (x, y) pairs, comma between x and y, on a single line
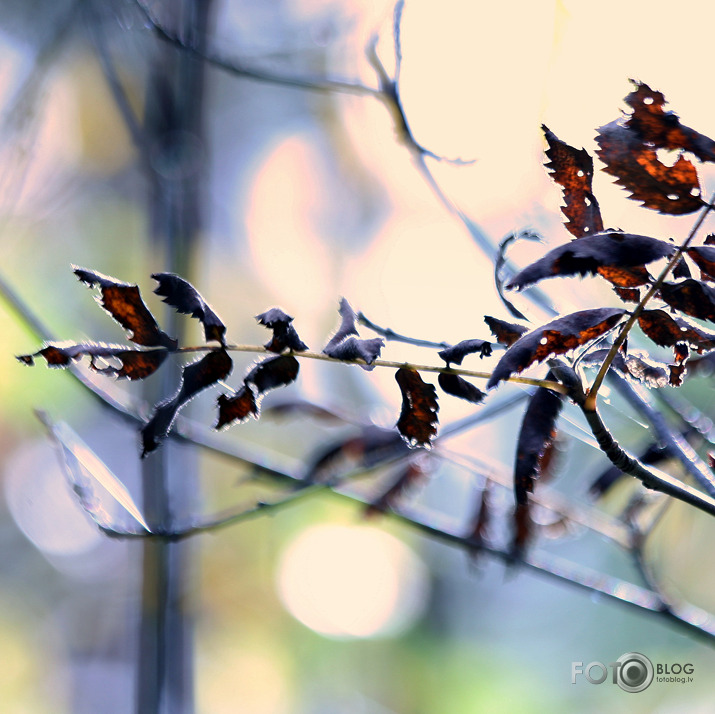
[(240, 69)]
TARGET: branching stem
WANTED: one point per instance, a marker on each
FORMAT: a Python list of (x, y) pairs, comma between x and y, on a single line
[(628, 325)]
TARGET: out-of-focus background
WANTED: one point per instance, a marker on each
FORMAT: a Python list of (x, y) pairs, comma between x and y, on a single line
[(308, 196)]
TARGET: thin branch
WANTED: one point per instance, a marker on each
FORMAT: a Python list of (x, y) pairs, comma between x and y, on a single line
[(259, 349), (674, 443), (246, 71), (693, 619), (131, 121), (389, 334), (651, 478), (625, 330)]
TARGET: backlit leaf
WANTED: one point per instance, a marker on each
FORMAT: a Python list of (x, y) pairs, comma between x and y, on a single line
[(621, 277), (667, 331), (197, 376), (506, 333), (663, 129), (456, 353), (273, 372), (557, 337), (538, 429), (85, 471), (135, 364), (672, 189), (704, 258), (612, 251), (645, 370), (628, 294), (284, 335), (692, 297), (459, 387), (186, 299), (345, 345), (418, 417), (572, 169), (124, 303), (236, 408)]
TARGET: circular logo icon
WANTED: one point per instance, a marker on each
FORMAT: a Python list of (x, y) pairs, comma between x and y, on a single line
[(635, 673)]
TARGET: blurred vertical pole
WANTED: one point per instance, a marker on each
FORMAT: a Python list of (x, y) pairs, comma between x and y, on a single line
[(174, 131)]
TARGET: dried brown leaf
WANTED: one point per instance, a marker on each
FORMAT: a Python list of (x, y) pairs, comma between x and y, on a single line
[(572, 169), (557, 337), (663, 129), (619, 257), (186, 299), (692, 297), (418, 419), (674, 190), (124, 303), (538, 429)]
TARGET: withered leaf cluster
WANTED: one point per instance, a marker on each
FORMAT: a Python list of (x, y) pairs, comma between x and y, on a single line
[(125, 305), (650, 153)]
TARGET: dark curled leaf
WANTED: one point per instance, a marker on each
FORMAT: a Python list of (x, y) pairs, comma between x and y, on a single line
[(197, 376), (186, 299), (668, 331), (418, 418), (352, 349), (506, 333), (673, 190), (136, 364), (458, 387), (273, 372), (458, 352), (408, 476), (572, 169), (535, 436), (663, 129), (691, 297), (704, 258), (587, 255), (347, 324), (236, 408), (124, 303), (284, 335), (344, 345), (555, 338)]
